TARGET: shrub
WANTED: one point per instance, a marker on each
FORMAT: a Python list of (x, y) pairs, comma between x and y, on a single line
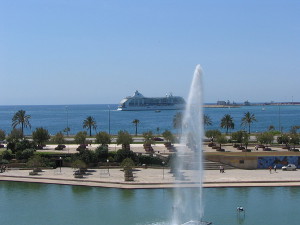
[(88, 156), (78, 164), (27, 153), (123, 154), (149, 160), (127, 164), (35, 161), (7, 155), (101, 153), (25, 144)]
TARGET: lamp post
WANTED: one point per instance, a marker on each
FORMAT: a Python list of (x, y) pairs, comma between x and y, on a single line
[(67, 129), (108, 166), (108, 119), (60, 162), (163, 169)]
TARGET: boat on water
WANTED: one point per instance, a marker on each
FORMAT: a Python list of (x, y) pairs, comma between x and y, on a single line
[(138, 102)]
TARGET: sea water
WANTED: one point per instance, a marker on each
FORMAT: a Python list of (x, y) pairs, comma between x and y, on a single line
[(50, 204), (57, 117)]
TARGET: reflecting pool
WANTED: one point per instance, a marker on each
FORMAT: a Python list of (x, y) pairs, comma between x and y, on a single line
[(49, 204)]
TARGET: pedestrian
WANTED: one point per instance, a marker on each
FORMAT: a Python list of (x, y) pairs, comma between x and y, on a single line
[(220, 169), (270, 168), (275, 168)]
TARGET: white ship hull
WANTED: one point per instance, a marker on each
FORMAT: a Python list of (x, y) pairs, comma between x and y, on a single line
[(151, 108)]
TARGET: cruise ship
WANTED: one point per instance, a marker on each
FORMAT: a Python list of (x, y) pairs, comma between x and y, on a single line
[(138, 102)]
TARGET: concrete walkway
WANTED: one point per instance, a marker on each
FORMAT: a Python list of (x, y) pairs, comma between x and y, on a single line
[(158, 178)]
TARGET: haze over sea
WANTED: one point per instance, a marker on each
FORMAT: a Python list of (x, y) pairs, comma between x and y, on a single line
[(56, 117)]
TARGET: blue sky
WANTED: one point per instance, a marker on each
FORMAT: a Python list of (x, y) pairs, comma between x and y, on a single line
[(94, 52)]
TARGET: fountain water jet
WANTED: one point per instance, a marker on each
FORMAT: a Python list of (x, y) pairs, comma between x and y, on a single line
[(188, 202)]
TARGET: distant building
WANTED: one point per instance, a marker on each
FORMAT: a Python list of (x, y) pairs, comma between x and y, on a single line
[(247, 103), (221, 102)]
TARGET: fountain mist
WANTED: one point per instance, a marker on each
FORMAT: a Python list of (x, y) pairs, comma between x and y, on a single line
[(188, 202)]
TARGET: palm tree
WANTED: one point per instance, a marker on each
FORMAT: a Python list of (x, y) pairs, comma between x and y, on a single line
[(125, 139), (227, 122), (207, 120), (177, 120), (248, 119), (136, 122), (20, 117), (90, 123)]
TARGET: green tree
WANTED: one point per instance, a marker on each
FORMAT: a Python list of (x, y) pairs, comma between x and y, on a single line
[(248, 119), (36, 162), (207, 120), (80, 137), (294, 129), (294, 139), (125, 139), (101, 153), (103, 138), (284, 139), (136, 122), (265, 138), (168, 136), (148, 140), (20, 118), (227, 122), (271, 128), (90, 123), (177, 120), (127, 164), (212, 134), (15, 135), (221, 139), (67, 130), (241, 137), (40, 136), (2, 135), (58, 138), (25, 144), (125, 153), (78, 164), (7, 154)]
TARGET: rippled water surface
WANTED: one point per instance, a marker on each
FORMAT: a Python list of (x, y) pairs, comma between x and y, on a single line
[(47, 204)]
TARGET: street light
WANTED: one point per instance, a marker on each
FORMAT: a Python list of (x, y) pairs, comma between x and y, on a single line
[(163, 169), (108, 166), (60, 162), (67, 121), (108, 119)]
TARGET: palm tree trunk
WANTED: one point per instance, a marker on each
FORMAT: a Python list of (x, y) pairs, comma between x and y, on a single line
[(90, 131), (135, 129)]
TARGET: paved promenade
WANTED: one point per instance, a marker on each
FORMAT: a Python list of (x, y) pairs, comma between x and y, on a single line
[(158, 178)]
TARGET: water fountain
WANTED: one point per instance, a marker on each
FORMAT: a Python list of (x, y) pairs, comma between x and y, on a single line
[(188, 202)]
